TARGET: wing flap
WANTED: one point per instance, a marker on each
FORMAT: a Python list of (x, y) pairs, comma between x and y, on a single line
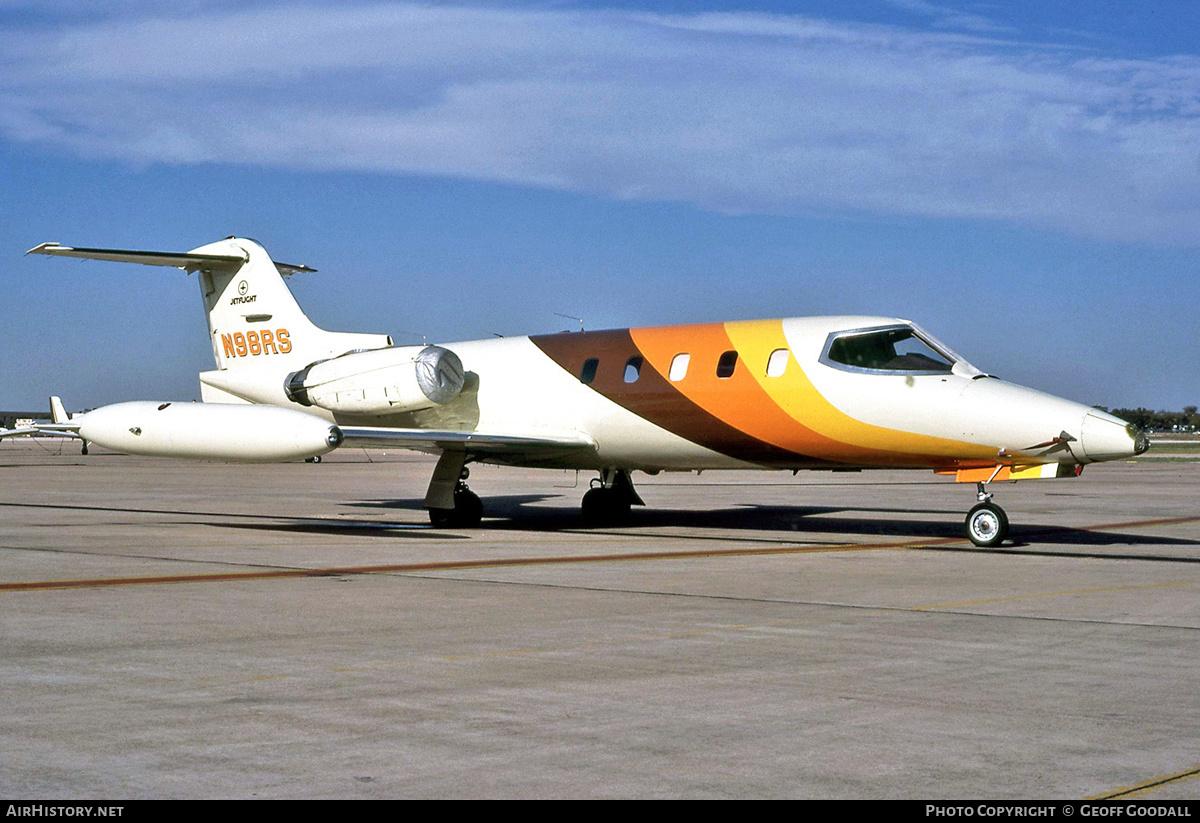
[(472, 442)]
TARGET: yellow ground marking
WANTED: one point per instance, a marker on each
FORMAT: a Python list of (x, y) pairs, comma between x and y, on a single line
[(456, 565), (1146, 785), (453, 565), (1063, 593)]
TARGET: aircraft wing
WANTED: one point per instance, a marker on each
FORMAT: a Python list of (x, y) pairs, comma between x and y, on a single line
[(179, 260), (493, 444), (473, 442), (62, 425), (52, 429)]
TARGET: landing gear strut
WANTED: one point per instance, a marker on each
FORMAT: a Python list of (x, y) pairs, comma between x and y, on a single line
[(987, 524), (610, 498), (451, 504)]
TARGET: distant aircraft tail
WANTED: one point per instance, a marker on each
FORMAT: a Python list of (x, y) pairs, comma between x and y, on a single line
[(58, 412)]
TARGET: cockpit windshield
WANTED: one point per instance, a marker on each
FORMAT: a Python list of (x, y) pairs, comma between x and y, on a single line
[(895, 349)]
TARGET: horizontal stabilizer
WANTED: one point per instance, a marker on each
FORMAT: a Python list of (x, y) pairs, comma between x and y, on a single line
[(179, 260)]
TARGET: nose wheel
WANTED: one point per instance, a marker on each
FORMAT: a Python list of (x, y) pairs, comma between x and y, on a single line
[(986, 524)]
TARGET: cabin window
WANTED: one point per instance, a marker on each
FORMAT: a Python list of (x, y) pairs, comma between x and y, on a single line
[(895, 350), (777, 363), (726, 364), (633, 369), (679, 366), (588, 373)]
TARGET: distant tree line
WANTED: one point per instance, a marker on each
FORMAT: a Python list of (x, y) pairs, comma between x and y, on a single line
[(1176, 421)]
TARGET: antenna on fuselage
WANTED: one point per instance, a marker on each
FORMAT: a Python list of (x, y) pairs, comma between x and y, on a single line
[(571, 317)]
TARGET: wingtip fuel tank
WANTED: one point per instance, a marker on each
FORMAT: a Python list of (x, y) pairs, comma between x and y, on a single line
[(209, 431)]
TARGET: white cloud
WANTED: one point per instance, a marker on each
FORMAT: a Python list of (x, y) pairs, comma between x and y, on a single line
[(949, 17), (735, 112)]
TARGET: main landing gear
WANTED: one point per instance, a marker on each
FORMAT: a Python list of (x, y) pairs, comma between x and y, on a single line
[(467, 511), (610, 498), (987, 524), (451, 504)]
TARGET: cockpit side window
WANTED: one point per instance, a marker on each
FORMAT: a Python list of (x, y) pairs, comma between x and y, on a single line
[(889, 350)]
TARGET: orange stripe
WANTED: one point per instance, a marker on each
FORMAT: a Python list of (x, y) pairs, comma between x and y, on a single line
[(737, 400)]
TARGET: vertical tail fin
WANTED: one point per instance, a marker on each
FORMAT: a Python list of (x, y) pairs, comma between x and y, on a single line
[(253, 318)]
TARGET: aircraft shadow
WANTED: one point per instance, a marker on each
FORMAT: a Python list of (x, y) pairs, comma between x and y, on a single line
[(499, 504), (349, 529), (503, 512)]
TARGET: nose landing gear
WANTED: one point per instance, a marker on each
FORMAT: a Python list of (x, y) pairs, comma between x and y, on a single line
[(986, 524)]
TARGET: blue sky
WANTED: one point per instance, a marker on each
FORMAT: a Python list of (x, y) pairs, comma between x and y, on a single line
[(1023, 179)]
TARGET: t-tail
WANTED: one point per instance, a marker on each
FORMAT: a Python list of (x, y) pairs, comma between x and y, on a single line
[(255, 326)]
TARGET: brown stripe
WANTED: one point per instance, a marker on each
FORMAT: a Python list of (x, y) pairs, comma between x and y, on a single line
[(653, 398)]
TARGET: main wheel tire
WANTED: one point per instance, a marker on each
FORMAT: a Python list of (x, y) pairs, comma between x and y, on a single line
[(466, 514), (468, 509), (594, 506), (987, 525), (601, 506)]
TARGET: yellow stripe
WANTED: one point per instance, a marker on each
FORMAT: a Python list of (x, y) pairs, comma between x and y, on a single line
[(795, 393)]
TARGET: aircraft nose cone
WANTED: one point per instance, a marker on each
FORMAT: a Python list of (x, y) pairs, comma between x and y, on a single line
[(1105, 437)]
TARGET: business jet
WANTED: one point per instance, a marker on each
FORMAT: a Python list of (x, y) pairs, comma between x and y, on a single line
[(811, 393)]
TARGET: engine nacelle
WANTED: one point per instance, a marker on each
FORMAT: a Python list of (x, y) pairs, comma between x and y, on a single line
[(209, 431), (380, 381)]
